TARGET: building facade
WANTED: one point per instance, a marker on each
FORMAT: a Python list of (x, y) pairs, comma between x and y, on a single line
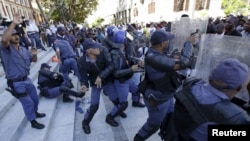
[(26, 8), (143, 11), (9, 7)]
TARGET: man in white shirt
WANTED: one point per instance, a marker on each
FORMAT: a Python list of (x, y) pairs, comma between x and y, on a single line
[(33, 33)]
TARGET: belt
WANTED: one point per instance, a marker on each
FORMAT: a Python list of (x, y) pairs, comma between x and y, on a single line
[(68, 57), (31, 33), (18, 79)]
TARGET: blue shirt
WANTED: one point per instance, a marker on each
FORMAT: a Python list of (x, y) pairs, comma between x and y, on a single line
[(205, 94), (16, 62), (65, 48)]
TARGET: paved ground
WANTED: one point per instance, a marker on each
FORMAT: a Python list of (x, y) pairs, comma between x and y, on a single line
[(101, 131)]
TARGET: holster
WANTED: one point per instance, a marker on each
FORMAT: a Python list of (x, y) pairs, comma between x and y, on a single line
[(16, 95), (153, 101), (12, 91)]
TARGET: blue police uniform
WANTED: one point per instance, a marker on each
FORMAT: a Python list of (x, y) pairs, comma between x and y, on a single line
[(17, 67), (51, 84), (89, 70), (108, 40), (211, 100), (67, 56), (123, 81), (72, 40), (161, 84)]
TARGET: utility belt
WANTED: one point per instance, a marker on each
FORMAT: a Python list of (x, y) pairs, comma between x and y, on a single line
[(18, 79), (10, 89), (65, 58), (124, 78)]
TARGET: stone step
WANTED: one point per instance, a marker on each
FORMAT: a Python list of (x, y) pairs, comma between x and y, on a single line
[(59, 120), (15, 122), (6, 99), (63, 124), (101, 131)]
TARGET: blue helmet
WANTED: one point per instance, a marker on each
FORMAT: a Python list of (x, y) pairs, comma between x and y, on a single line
[(111, 30), (119, 37)]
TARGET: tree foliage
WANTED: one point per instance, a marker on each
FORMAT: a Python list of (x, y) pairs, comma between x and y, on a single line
[(76, 10), (98, 22), (236, 7)]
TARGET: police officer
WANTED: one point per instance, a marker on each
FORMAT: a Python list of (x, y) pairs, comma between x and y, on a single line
[(200, 102), (95, 67), (66, 56), (50, 84), (162, 81), (108, 40), (125, 67), (17, 61)]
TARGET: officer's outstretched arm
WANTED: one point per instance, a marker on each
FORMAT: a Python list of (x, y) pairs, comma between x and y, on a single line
[(160, 62), (58, 55)]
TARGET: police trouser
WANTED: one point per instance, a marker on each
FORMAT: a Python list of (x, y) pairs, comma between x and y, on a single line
[(56, 91), (95, 99), (51, 92), (29, 100), (156, 115), (123, 89), (67, 65)]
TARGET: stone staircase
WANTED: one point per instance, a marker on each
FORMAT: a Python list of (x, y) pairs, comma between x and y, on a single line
[(14, 125)]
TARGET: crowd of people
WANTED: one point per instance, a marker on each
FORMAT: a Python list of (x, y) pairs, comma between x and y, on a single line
[(122, 60)]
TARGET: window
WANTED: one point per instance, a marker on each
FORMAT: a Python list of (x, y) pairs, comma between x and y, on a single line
[(202, 4), (14, 10), (135, 11), (151, 8), (26, 2), (8, 11), (180, 5)]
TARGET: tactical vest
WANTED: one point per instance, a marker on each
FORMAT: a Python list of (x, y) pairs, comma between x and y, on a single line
[(189, 114), (167, 84), (50, 82)]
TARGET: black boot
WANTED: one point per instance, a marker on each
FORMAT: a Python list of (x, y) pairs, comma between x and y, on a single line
[(138, 104), (35, 124), (86, 127), (122, 114), (91, 112), (111, 120), (66, 90), (138, 138), (69, 84), (40, 115), (66, 98)]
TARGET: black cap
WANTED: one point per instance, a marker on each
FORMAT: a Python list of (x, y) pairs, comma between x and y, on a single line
[(44, 65)]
